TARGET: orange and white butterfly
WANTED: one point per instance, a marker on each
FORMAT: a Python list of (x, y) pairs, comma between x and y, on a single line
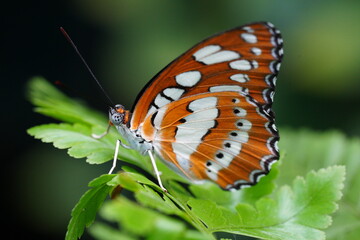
[(208, 113)]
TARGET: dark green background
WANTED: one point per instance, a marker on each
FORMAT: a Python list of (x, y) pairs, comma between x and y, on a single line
[(128, 42)]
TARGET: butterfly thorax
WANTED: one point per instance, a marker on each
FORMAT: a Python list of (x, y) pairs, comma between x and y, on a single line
[(120, 118)]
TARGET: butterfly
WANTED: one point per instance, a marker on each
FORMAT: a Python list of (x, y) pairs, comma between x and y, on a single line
[(208, 113)]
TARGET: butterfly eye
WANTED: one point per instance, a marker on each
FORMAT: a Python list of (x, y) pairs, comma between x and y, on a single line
[(117, 118), (116, 114)]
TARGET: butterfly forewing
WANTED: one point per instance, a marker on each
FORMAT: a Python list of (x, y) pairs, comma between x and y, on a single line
[(208, 113), (245, 59)]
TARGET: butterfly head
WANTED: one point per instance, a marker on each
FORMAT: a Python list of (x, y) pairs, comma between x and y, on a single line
[(118, 115)]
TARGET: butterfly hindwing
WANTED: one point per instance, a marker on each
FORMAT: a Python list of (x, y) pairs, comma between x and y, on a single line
[(215, 136)]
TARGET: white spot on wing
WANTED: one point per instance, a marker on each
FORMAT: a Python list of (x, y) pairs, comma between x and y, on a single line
[(235, 100), (151, 110), (272, 93), (276, 146), (255, 64), (218, 57), (278, 67), (190, 135), (161, 101), (203, 103), (240, 136), (212, 54), (240, 112), (183, 152), (270, 24), (225, 158), (248, 29), (272, 40), (270, 79), (206, 51), (159, 117), (249, 38), (241, 78), (174, 93), (195, 125), (241, 65), (274, 80), (206, 114), (274, 53), (255, 177), (256, 51), (188, 79), (274, 66), (228, 88), (212, 170), (233, 147), (243, 124), (281, 51), (269, 145)]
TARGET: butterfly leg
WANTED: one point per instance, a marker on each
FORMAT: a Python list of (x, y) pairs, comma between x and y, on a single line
[(157, 173), (103, 134), (118, 143)]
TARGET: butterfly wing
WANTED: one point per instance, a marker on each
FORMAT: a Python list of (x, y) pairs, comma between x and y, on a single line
[(246, 58), (208, 113), (225, 137)]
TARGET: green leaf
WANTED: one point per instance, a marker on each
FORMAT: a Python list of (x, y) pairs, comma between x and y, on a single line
[(315, 150), (147, 193), (53, 103), (294, 213), (77, 137), (151, 195), (229, 199), (141, 221), (105, 232), (83, 214)]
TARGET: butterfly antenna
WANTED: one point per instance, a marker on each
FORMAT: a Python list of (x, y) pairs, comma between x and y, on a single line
[(85, 63)]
